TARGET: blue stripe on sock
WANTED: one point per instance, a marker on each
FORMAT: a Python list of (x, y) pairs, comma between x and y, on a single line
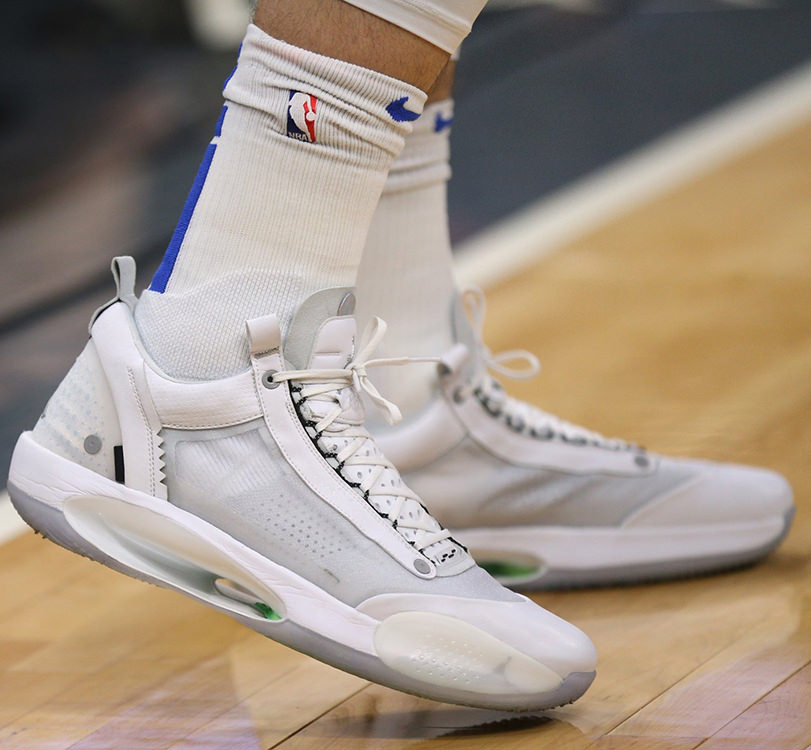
[(231, 74), (220, 120), (161, 277)]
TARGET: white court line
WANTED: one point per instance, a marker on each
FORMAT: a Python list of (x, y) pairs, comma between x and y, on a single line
[(11, 525), (548, 225), (511, 245)]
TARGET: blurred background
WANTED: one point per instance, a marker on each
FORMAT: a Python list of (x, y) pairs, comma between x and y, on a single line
[(106, 107)]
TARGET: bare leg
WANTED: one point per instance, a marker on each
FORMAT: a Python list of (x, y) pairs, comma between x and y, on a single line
[(336, 29), (443, 86)]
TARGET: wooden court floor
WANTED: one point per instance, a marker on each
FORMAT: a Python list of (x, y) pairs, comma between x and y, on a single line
[(685, 325)]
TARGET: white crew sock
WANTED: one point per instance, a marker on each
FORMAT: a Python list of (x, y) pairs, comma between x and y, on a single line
[(406, 273), (281, 204)]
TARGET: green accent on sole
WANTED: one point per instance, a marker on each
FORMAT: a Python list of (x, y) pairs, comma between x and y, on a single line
[(508, 570), (268, 612)]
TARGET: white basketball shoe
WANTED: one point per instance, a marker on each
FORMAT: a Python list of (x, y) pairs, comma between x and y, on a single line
[(263, 496), (540, 502)]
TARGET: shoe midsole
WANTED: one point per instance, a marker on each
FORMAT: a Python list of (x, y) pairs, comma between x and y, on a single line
[(589, 548)]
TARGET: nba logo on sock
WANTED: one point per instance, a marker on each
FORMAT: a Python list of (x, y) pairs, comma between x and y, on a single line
[(301, 112)]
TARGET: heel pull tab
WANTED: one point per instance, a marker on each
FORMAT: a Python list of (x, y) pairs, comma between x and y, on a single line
[(124, 272), (264, 335)]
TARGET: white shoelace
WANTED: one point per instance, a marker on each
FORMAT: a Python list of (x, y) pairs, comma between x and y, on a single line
[(329, 400), (519, 415)]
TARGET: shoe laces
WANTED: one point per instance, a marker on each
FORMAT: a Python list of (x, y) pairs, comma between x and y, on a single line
[(518, 415), (329, 403)]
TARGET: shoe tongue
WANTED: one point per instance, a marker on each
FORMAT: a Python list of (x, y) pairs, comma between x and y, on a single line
[(333, 344), (322, 334), (322, 337)]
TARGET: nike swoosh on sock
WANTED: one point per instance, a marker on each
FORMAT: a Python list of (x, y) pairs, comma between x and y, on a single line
[(398, 111)]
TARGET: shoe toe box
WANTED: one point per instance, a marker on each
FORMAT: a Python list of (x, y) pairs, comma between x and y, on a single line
[(716, 493), (532, 648)]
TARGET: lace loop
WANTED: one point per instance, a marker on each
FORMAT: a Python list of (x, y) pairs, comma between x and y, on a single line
[(372, 336), (475, 305), (518, 415), (355, 373), (496, 362)]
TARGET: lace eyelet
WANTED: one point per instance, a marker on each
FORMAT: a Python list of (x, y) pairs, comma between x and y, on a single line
[(268, 381), (573, 440), (548, 435), (491, 410), (458, 396), (516, 424), (421, 566)]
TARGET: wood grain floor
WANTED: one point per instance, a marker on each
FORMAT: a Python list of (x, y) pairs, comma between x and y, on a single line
[(685, 325)]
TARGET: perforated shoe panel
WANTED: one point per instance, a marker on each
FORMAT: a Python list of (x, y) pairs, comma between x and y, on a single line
[(236, 479), (79, 421)]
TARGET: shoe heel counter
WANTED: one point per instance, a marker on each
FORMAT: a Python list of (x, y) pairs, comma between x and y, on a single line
[(80, 422)]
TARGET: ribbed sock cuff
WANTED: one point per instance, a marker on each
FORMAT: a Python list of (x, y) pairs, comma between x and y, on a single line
[(425, 158), (344, 102)]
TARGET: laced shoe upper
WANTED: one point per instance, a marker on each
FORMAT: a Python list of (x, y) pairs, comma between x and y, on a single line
[(262, 495), (328, 403), (481, 458)]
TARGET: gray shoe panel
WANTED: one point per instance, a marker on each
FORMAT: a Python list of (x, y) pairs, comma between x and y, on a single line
[(235, 479), (494, 493)]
